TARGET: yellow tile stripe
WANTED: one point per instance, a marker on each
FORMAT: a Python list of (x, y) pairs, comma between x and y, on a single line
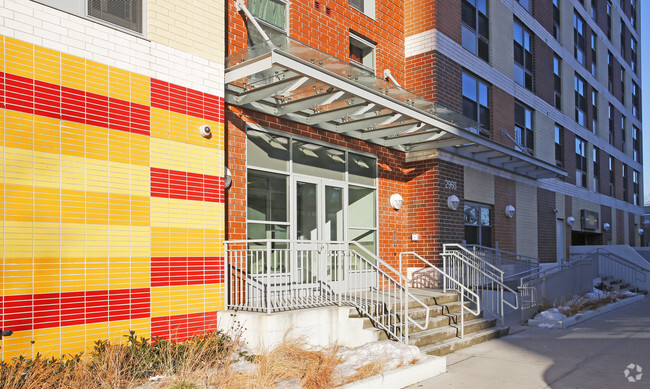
[(186, 242), (172, 155), (178, 213), (28, 203), (73, 139), (33, 61), (186, 299)]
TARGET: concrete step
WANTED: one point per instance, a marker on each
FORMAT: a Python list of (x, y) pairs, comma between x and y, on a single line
[(420, 313), (431, 336), (439, 321), (451, 345)]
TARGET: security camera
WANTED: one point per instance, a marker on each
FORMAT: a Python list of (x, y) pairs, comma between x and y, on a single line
[(205, 131)]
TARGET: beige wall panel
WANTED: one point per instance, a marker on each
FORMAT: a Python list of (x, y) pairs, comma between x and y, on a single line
[(526, 219), (544, 138), (501, 53), (479, 186)]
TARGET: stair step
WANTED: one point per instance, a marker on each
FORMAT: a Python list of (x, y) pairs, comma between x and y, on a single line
[(431, 336), (442, 321), (450, 345), (434, 310)]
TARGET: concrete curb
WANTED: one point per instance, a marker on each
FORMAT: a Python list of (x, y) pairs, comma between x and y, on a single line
[(580, 317), (404, 376)]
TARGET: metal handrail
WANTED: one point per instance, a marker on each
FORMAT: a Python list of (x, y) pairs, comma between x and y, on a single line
[(457, 246), (463, 308), (499, 251), (252, 283)]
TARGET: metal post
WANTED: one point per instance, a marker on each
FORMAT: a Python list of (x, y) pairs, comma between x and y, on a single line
[(268, 277), (462, 316)]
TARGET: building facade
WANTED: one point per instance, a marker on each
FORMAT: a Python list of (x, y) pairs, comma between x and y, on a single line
[(549, 82), (112, 200)]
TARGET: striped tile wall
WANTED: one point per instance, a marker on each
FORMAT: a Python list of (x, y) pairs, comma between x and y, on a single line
[(112, 213)]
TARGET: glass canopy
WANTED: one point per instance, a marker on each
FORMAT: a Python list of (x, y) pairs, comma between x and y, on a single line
[(285, 78)]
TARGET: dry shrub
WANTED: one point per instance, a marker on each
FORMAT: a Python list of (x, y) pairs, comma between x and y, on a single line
[(368, 370)]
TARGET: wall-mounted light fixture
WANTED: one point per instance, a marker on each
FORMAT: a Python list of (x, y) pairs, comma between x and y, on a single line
[(205, 131), (606, 227), (641, 231), (510, 211), (570, 221), (227, 179), (452, 202), (396, 201), (555, 211)]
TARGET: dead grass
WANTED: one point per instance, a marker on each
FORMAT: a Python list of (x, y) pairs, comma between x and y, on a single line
[(197, 363), (570, 307)]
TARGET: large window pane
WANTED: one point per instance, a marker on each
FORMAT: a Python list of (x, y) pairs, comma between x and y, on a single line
[(271, 11), (319, 161), (267, 150), (307, 211), (333, 214), (362, 207), (267, 197), (362, 170)]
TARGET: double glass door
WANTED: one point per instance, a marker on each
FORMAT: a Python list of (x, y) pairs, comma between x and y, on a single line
[(320, 226)]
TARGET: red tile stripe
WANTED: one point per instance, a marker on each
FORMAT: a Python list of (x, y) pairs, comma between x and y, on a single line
[(175, 98), (171, 271), (59, 102), (50, 310), (182, 327), (174, 184)]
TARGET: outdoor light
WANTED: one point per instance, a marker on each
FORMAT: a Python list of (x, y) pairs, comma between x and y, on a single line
[(227, 180), (570, 220), (396, 201), (641, 231), (510, 211), (205, 131), (452, 202), (606, 227)]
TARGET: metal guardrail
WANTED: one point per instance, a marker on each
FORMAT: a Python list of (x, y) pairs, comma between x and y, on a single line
[(575, 276), (480, 276), (463, 292), (279, 275), (510, 263)]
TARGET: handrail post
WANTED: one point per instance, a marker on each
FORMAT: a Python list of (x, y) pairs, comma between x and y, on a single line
[(462, 314), (444, 270), (406, 314), (226, 279), (268, 277)]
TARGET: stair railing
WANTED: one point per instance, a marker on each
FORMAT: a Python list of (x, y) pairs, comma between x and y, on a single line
[(278, 275), (463, 292), (510, 263), (479, 276)]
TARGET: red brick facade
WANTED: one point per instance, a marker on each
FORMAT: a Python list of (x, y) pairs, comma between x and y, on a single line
[(546, 243)]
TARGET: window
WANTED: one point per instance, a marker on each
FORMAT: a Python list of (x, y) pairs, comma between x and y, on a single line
[(596, 161), (633, 13), (622, 85), (523, 47), (527, 4), (611, 176), (623, 40), (478, 224), (581, 162), (524, 127), (610, 113), (635, 183), (594, 10), (362, 52), (609, 20), (594, 111), (476, 103), (559, 146), (271, 12), (633, 54), (610, 72), (623, 133), (635, 100), (556, 20), (557, 82), (624, 176), (579, 38), (366, 7), (475, 28), (580, 100), (594, 40), (125, 14), (636, 144)]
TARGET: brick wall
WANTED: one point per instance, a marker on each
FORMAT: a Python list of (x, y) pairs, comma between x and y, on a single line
[(504, 229), (604, 172), (424, 15), (435, 77), (543, 13), (620, 226), (570, 156), (502, 115), (568, 211), (543, 70), (633, 229), (546, 243)]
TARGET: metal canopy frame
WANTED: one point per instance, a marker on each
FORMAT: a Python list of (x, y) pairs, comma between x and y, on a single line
[(287, 79)]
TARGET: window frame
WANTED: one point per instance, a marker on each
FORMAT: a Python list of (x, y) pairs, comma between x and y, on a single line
[(579, 43), (594, 110), (557, 20), (557, 82), (366, 7), (526, 68), (478, 38), (559, 145), (596, 168), (581, 162), (364, 44), (524, 134), (579, 86), (483, 131), (480, 228)]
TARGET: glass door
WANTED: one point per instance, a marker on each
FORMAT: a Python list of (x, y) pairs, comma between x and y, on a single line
[(320, 232)]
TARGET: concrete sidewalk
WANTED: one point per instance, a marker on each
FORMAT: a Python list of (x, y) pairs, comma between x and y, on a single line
[(593, 354)]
